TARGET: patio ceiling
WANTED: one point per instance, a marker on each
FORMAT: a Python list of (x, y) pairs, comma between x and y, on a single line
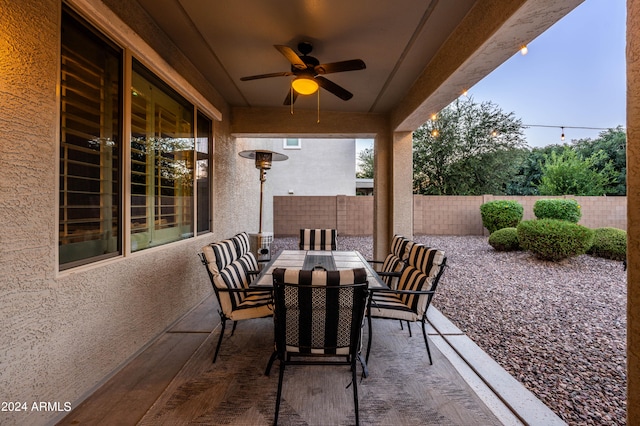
[(419, 54)]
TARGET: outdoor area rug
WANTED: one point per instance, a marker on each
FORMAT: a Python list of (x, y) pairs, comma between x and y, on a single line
[(402, 388)]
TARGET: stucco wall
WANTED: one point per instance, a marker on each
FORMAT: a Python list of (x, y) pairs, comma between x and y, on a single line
[(62, 333)]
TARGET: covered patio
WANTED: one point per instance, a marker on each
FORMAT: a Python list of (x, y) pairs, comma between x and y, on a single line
[(138, 316), (174, 382)]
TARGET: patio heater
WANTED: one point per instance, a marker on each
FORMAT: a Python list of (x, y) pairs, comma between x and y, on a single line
[(261, 242)]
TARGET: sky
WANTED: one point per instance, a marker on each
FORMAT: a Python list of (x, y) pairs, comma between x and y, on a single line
[(572, 76)]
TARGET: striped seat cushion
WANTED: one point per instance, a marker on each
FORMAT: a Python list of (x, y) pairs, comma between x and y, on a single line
[(242, 244), (410, 307), (426, 259), (219, 255), (315, 309), (391, 264), (236, 275), (255, 305), (401, 246), (318, 239), (249, 263)]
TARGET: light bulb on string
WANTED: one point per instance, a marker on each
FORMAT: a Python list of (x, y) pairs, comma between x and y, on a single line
[(562, 135)]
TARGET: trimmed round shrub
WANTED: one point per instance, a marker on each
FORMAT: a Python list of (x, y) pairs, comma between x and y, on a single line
[(609, 243), (552, 239), (500, 214), (558, 208), (505, 239)]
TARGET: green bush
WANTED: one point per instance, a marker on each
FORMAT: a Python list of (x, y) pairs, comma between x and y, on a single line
[(558, 208), (552, 239), (505, 239), (500, 214), (610, 243)]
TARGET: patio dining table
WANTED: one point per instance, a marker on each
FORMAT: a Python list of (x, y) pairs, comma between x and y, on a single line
[(309, 260)]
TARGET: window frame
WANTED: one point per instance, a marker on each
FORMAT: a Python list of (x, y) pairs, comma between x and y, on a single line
[(100, 19), (64, 102), (298, 145)]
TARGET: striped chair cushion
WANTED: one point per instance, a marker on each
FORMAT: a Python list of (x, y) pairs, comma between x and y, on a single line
[(318, 239), (219, 255), (400, 246), (242, 244), (426, 259), (249, 262), (392, 263), (236, 276), (410, 307), (317, 308)]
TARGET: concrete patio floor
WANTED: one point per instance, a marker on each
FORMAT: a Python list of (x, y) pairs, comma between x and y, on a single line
[(128, 396)]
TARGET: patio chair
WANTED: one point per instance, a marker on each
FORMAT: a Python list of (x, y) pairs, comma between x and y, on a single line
[(231, 268), (411, 299), (318, 239), (391, 267), (318, 320)]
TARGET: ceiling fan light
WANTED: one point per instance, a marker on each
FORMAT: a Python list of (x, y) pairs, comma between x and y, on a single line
[(304, 85)]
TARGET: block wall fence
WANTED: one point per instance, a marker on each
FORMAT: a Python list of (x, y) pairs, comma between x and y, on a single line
[(432, 214)]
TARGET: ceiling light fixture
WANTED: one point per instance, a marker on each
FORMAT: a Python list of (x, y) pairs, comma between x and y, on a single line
[(304, 85)]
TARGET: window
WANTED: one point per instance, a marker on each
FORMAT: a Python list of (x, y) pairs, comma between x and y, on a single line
[(162, 147), (90, 145), (203, 183), (292, 143), (169, 151)]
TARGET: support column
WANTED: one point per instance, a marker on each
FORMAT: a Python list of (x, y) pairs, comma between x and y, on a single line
[(393, 189), (633, 212), (402, 184), (382, 191)]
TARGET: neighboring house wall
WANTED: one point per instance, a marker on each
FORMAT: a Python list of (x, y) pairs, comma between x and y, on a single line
[(316, 167), (433, 214), (62, 333)]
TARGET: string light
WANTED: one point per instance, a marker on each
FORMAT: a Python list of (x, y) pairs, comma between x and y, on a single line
[(524, 49), (562, 136), (435, 133)]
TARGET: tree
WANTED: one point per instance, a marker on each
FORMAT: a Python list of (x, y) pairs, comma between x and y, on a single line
[(567, 172), (613, 144), (606, 152), (529, 170), (365, 164), (469, 149)]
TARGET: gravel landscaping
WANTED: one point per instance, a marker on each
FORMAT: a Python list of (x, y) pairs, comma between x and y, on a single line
[(558, 328)]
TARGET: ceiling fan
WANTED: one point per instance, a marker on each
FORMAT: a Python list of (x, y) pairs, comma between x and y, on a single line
[(309, 73)]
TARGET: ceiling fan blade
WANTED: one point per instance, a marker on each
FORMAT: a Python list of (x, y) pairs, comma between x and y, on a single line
[(340, 92), (291, 56), (352, 65), (273, 74), (288, 100)]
